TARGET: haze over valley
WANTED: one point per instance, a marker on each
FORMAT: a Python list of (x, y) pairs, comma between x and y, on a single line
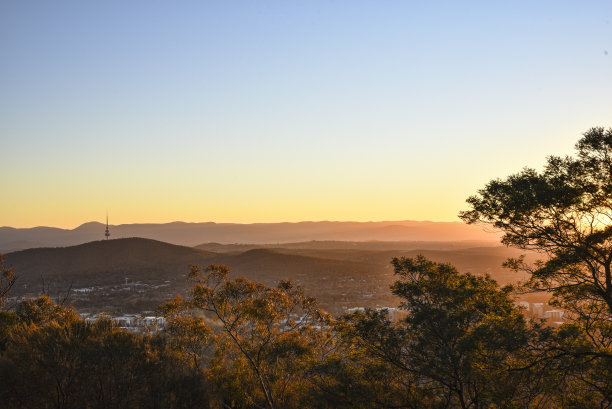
[(192, 234), (137, 274)]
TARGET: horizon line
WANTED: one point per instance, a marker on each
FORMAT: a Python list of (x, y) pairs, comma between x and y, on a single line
[(243, 223)]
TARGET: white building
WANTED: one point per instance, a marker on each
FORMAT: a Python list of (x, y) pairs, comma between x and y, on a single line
[(538, 309)]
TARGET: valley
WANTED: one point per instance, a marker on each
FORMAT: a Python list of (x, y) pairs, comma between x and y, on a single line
[(135, 275)]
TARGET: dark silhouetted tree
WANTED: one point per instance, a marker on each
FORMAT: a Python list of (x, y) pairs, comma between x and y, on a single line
[(565, 214), (457, 344)]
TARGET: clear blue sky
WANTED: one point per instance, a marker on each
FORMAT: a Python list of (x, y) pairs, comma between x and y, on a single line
[(283, 111)]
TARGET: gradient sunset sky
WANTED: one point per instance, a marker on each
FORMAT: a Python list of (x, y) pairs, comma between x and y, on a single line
[(260, 111)]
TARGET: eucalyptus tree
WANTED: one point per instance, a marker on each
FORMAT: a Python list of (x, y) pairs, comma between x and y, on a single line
[(564, 213), (264, 337), (456, 345)]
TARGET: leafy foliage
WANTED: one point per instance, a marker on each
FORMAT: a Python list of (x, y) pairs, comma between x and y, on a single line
[(240, 344), (565, 213), (458, 341), (7, 280), (265, 336), (54, 359)]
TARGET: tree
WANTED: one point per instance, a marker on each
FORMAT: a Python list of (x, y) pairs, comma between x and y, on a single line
[(564, 213), (7, 280), (264, 336), (7, 319), (365, 367), (456, 344), (54, 359), (187, 333), (43, 311)]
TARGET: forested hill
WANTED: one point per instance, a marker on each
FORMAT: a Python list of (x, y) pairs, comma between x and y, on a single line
[(105, 261), (339, 277)]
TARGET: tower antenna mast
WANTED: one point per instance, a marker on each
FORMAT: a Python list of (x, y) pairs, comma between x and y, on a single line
[(107, 232)]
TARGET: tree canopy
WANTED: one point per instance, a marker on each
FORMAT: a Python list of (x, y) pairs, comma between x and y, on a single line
[(459, 336), (565, 213)]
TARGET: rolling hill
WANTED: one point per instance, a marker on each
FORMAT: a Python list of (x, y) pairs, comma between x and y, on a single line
[(103, 262), (338, 277)]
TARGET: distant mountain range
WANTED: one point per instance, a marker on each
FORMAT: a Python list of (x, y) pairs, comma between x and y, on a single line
[(192, 234)]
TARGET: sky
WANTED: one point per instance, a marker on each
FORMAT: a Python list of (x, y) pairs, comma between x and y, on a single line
[(270, 111)]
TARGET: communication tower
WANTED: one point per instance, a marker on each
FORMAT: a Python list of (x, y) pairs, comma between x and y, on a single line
[(107, 232)]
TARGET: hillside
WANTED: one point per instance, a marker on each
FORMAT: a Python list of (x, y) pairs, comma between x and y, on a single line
[(351, 245), (103, 262), (155, 271)]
